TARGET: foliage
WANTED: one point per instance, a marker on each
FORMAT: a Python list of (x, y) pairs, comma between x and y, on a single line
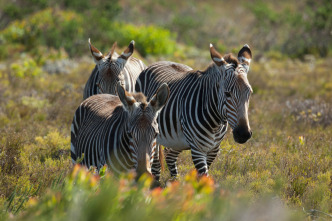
[(297, 31), (64, 29), (28, 68), (20, 9), (291, 28), (27, 169), (42, 28), (149, 40), (85, 196)]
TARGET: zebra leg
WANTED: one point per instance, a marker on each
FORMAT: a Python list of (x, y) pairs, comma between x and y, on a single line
[(212, 155), (171, 158), (156, 166), (199, 159)]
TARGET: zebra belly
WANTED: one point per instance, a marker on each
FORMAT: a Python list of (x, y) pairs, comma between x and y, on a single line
[(176, 143), (180, 143)]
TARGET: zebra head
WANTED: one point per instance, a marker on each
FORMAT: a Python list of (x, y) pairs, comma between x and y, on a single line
[(110, 67), (142, 126), (235, 91)]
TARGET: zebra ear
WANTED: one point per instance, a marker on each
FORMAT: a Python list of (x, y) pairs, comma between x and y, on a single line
[(160, 98), (216, 57), (129, 51), (126, 98), (245, 56), (110, 54), (96, 54)]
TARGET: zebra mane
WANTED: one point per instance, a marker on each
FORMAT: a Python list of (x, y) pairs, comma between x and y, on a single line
[(140, 97), (230, 58)]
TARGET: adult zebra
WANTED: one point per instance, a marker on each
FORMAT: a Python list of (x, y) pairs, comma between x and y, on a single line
[(111, 69), (118, 131), (201, 105)]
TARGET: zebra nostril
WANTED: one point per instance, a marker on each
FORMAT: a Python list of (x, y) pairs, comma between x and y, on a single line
[(241, 135)]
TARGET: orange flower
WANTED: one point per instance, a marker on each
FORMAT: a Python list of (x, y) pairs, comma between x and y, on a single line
[(76, 168)]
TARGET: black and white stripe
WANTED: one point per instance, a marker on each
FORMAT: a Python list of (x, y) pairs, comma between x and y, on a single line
[(111, 69), (118, 131), (201, 105)]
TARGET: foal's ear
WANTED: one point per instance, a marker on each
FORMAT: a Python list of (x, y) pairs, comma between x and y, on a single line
[(160, 98), (96, 54), (245, 56), (129, 51), (126, 98), (216, 57)]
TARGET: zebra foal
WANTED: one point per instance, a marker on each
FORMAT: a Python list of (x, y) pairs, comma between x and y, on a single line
[(118, 131), (201, 105), (111, 69)]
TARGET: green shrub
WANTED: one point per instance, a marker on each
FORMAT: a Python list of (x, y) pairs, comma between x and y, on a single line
[(51, 27), (63, 29), (318, 193), (19, 9), (185, 26), (297, 31), (264, 14), (28, 167), (28, 68), (149, 40)]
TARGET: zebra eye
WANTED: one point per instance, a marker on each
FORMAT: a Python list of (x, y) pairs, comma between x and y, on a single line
[(228, 94)]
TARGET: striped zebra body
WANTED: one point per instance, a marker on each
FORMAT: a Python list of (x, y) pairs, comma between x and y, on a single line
[(197, 113), (91, 87), (111, 69), (95, 131), (117, 131)]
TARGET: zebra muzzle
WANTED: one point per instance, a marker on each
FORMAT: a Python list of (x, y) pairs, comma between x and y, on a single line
[(241, 134), (144, 166)]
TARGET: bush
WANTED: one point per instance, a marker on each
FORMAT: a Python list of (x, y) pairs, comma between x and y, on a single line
[(19, 9), (150, 40), (28, 68), (185, 25), (63, 29), (51, 27), (29, 167), (295, 33)]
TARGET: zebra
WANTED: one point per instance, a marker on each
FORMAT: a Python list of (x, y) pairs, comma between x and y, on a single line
[(119, 131), (201, 105), (111, 69)]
